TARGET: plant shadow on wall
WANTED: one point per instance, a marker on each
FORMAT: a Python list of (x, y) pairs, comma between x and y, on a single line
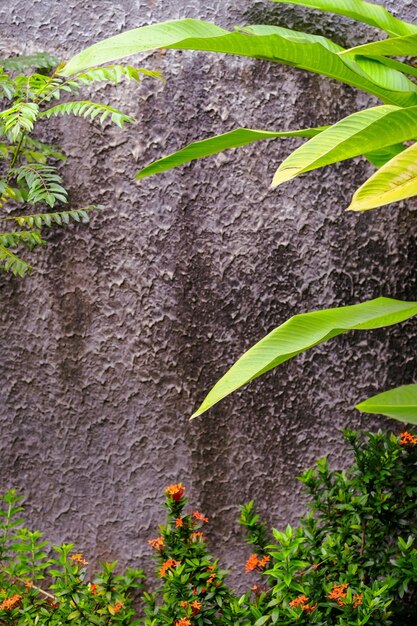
[(32, 93), (351, 560)]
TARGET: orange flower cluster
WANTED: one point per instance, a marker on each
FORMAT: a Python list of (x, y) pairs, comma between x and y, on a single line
[(8, 603), (93, 589), (183, 622), (179, 522), (175, 492), (78, 558), (302, 602), (195, 606), (200, 517), (167, 565), (407, 439), (339, 593), (197, 536), (254, 561), (157, 544), (117, 607), (28, 584)]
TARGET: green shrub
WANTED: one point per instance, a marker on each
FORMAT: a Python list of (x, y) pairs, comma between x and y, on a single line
[(351, 560)]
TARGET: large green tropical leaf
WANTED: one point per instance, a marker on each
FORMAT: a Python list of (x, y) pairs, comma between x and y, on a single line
[(367, 12), (395, 47), (283, 47), (242, 137), (399, 403), (385, 73), (302, 332), (395, 181), (365, 131), (233, 139)]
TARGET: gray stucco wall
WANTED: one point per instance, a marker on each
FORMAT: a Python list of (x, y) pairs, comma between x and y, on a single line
[(106, 349)]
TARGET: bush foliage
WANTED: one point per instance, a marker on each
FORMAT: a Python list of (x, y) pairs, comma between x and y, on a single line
[(351, 560)]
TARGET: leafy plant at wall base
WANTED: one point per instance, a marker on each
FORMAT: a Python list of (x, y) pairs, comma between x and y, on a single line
[(351, 560), (40, 589), (29, 178)]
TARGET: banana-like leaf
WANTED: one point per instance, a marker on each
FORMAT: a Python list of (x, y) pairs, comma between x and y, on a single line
[(284, 48), (399, 403), (401, 67), (395, 181), (233, 139), (302, 332), (395, 47), (365, 131), (243, 137), (383, 72), (365, 12)]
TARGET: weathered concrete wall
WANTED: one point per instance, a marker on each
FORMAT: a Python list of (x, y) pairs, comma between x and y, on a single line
[(106, 350)]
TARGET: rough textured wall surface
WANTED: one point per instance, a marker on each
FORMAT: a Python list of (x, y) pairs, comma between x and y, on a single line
[(106, 350)]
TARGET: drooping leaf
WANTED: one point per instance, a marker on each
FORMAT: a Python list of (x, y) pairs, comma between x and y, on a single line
[(395, 181), (302, 332), (19, 118), (371, 129), (42, 182), (88, 109), (399, 403), (285, 47), (396, 47), (233, 139), (366, 12), (387, 75), (39, 220)]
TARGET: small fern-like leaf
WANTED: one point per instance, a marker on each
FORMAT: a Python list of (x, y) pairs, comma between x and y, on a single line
[(39, 61), (48, 149), (6, 84), (43, 183), (61, 218), (20, 117), (114, 74), (88, 109), (31, 239), (10, 262)]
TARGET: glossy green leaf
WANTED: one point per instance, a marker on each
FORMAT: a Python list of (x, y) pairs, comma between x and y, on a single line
[(396, 47), (395, 181), (207, 147), (285, 47), (302, 332), (373, 129), (141, 39), (367, 12), (382, 72), (399, 403)]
